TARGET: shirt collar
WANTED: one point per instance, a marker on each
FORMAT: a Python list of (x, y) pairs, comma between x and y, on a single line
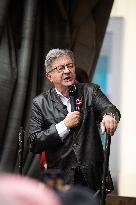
[(62, 96)]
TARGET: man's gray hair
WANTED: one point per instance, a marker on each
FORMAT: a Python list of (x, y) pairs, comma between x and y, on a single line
[(55, 53)]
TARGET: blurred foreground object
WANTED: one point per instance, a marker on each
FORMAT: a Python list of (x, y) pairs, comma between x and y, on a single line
[(20, 190), (79, 195), (54, 178)]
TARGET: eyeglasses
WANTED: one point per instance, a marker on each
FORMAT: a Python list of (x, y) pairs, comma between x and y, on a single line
[(61, 68)]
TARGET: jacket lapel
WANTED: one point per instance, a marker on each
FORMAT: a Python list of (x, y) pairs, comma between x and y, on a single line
[(57, 102)]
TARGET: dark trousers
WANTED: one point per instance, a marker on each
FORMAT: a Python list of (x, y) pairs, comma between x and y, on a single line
[(79, 178)]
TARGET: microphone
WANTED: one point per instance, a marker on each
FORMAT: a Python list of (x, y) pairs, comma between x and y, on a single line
[(72, 94)]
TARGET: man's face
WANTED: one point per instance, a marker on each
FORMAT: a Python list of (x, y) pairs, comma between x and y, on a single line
[(63, 75)]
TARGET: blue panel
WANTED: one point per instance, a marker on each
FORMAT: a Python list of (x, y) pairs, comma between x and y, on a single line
[(101, 72)]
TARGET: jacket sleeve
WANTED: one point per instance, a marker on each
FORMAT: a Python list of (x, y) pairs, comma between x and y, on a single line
[(102, 105), (41, 134)]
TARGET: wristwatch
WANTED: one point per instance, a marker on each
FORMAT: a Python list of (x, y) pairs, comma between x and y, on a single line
[(116, 117)]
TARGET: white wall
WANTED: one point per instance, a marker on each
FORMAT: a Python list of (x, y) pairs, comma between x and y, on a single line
[(127, 129)]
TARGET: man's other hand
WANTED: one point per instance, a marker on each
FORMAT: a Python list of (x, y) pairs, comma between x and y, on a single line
[(108, 125)]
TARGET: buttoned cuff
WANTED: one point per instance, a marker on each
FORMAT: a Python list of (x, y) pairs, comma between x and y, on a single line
[(63, 131)]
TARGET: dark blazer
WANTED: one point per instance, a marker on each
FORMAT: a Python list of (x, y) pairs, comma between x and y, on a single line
[(82, 146)]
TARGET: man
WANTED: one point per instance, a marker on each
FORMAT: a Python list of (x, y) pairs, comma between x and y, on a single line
[(71, 138)]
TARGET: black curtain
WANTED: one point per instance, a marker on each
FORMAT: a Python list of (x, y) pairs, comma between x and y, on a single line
[(28, 30)]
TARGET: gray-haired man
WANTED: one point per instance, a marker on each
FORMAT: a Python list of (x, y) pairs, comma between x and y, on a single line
[(71, 139)]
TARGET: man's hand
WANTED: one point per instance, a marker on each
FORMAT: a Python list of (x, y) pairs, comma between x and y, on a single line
[(108, 125), (72, 119)]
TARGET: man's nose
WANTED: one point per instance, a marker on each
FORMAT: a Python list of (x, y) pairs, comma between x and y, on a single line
[(66, 70)]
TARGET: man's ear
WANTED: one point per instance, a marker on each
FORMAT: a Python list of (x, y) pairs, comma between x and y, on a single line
[(48, 75)]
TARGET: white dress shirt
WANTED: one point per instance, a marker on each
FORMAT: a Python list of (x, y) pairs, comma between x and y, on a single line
[(63, 131)]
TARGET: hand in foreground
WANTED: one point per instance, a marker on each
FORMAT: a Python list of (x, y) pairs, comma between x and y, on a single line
[(108, 125), (72, 119)]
